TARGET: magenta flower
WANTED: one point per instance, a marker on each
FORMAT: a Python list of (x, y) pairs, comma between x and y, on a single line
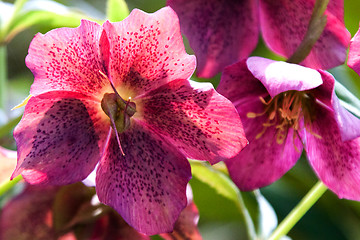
[(282, 106), (223, 32), (117, 95)]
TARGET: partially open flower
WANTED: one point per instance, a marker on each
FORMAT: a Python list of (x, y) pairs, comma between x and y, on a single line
[(284, 107)]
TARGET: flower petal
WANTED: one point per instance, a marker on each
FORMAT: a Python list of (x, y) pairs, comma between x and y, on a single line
[(334, 161), (220, 32), (28, 215), (348, 124), (67, 59), (278, 76), (7, 164), (141, 65), (290, 18), (194, 117), (250, 168), (186, 225), (60, 138), (354, 53), (147, 185), (239, 85)]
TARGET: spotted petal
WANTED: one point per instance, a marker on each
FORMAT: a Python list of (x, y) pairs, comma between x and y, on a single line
[(147, 51), (334, 161), (147, 185), (194, 117), (60, 138), (220, 32), (285, 22), (67, 59)]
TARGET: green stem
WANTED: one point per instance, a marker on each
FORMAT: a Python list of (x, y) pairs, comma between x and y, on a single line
[(299, 211), (9, 184), (3, 77), (247, 218)]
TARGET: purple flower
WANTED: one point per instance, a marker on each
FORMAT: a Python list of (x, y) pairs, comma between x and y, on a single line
[(117, 95), (223, 32), (284, 106)]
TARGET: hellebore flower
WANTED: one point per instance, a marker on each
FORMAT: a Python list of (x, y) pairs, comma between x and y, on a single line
[(282, 106), (224, 32), (117, 95)]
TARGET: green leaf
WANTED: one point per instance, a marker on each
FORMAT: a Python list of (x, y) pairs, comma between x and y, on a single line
[(347, 99), (43, 13), (258, 214), (215, 179), (116, 10)]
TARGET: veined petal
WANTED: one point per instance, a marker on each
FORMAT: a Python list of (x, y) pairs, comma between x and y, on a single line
[(220, 32), (284, 24), (335, 162), (278, 76), (239, 85), (147, 185), (60, 138), (186, 225), (250, 168), (147, 51), (67, 59), (348, 124), (192, 116)]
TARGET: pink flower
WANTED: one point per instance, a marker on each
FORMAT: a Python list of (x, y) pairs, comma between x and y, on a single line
[(284, 106), (223, 32), (117, 95)]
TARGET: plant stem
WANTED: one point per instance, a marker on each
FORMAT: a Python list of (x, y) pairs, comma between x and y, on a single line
[(299, 211), (9, 184), (3, 77)]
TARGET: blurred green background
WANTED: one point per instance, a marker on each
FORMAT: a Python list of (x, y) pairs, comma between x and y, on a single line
[(330, 218)]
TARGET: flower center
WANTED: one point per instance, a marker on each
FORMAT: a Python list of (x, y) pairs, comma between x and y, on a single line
[(285, 111), (118, 110)]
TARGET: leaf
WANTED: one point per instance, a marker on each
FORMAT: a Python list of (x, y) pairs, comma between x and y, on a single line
[(258, 214), (43, 12), (347, 99), (215, 179), (116, 10)]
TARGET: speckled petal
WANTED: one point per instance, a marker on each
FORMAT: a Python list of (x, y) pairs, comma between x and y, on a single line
[(196, 119), (147, 51), (335, 162), (67, 59), (278, 76), (60, 138), (354, 53), (250, 168), (28, 215), (220, 32), (146, 186), (186, 225), (348, 124), (284, 24)]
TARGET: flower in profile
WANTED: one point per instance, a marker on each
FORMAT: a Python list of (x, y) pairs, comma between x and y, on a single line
[(73, 212), (117, 97), (224, 32), (285, 108)]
